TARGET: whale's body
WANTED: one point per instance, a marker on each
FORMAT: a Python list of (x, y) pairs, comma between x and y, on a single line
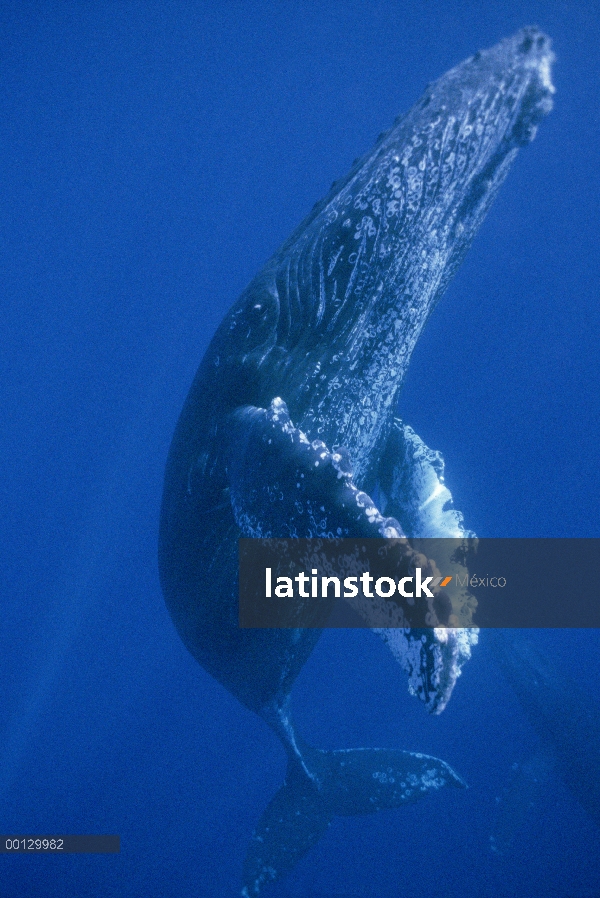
[(565, 717), (290, 422)]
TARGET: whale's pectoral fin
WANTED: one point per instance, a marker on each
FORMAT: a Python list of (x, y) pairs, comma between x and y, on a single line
[(411, 487), (353, 781), (283, 485)]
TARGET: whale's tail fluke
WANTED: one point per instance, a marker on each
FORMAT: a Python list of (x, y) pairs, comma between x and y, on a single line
[(346, 782), (293, 821)]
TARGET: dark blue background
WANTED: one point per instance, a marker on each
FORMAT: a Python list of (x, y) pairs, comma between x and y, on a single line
[(153, 155)]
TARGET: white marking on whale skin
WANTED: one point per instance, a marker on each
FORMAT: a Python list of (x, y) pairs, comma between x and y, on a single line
[(438, 490), (545, 71), (426, 500)]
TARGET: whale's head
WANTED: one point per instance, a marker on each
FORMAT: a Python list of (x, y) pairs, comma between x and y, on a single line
[(331, 322), (480, 113), (528, 55), (358, 279), (511, 82)]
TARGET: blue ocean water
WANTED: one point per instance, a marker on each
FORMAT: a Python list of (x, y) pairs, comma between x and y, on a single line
[(153, 156)]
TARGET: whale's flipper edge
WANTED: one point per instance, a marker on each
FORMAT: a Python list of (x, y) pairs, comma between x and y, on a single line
[(351, 782), (412, 487), (284, 485)]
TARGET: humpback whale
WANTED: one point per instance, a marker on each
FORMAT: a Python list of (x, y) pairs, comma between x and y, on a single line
[(565, 717), (290, 427)]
